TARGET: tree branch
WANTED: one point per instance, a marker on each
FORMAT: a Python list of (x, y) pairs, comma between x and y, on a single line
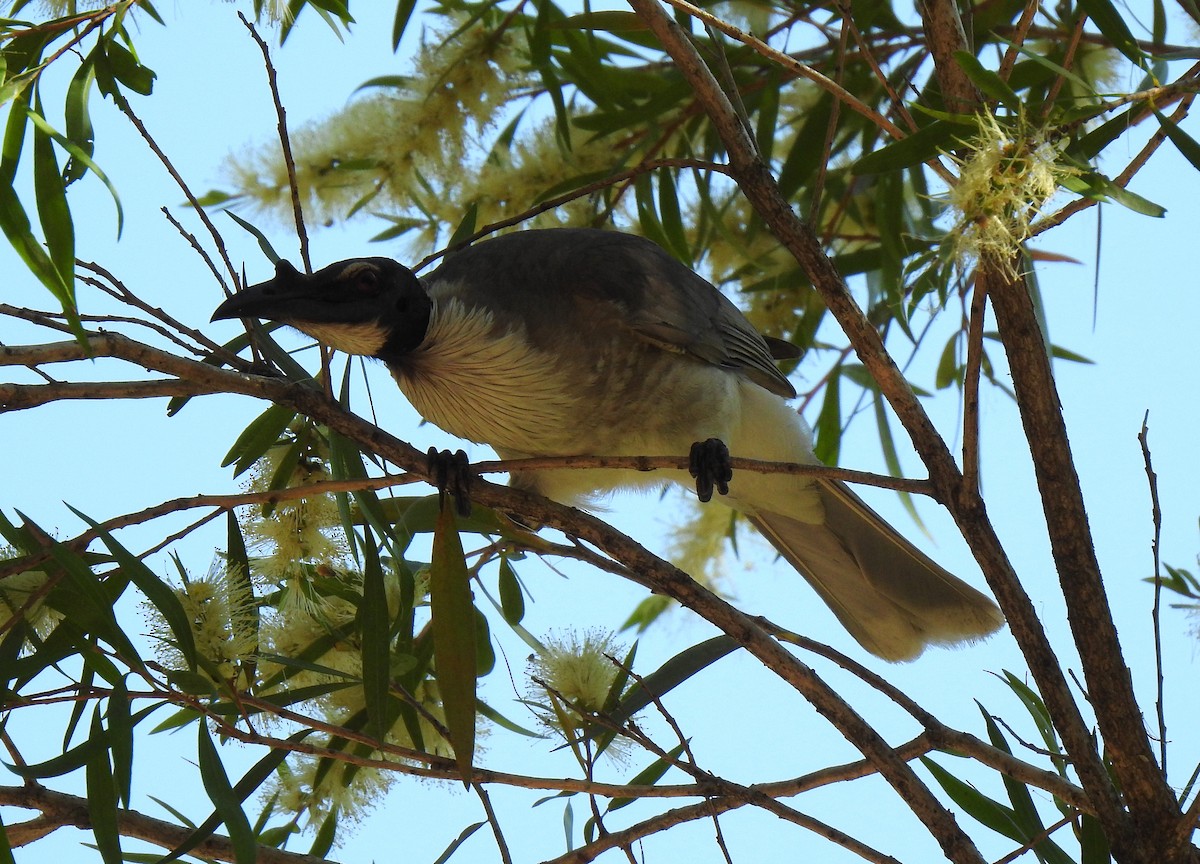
[(60, 810), (965, 504), (1110, 689)]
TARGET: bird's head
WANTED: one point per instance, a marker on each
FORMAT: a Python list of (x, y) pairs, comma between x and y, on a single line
[(369, 306)]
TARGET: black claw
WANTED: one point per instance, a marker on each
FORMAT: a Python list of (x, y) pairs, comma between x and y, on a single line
[(709, 463), (452, 473)]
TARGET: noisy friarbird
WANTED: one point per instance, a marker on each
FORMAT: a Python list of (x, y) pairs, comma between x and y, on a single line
[(587, 342)]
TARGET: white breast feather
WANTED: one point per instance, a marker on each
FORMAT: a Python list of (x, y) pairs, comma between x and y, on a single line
[(487, 385), (365, 339)]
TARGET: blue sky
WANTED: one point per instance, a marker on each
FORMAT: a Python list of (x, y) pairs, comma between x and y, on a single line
[(109, 459)]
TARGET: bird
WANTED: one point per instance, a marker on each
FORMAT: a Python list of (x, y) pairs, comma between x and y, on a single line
[(596, 342)]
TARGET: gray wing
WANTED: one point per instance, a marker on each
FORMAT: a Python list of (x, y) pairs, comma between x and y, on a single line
[(557, 280)]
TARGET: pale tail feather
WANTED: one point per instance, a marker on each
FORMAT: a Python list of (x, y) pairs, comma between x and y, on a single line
[(891, 597)]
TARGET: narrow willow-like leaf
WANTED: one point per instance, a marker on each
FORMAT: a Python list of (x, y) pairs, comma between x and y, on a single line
[(988, 81), (611, 21), (404, 10), (465, 228), (120, 729), (1185, 143), (671, 674), (921, 146), (54, 214), (974, 803), (453, 636), (6, 856), (458, 841), (243, 789), (512, 599), (829, 421), (81, 596), (323, 842), (1023, 806), (256, 439), (375, 626), (224, 799), (1108, 20), (263, 243), (648, 776), (102, 796)]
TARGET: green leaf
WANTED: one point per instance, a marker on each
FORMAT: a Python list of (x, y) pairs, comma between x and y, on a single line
[(245, 621), (671, 674), (102, 796), (81, 596), (126, 68), (243, 789), (458, 841), (15, 223), (1110, 22), (613, 21), (512, 599), (53, 212), (1094, 185), (81, 156), (160, 595), (1185, 143), (120, 728), (948, 368), (921, 146), (648, 776), (500, 720), (261, 435), (1027, 816), (1093, 844), (326, 834), (988, 81), (263, 243), (453, 627), (375, 624), (980, 807), (404, 10), (466, 227), (224, 799), (6, 856), (829, 421)]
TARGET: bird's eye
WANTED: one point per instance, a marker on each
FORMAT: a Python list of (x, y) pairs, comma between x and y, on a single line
[(366, 281)]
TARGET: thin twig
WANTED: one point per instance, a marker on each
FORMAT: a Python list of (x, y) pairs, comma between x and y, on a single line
[(123, 104), (284, 142), (485, 799), (971, 375), (1156, 611), (1018, 39)]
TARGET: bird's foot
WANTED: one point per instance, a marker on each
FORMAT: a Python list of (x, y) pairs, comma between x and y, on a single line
[(452, 473), (709, 463)]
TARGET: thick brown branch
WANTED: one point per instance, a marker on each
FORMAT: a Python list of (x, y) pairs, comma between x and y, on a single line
[(944, 34), (60, 810), (1151, 803), (967, 507)]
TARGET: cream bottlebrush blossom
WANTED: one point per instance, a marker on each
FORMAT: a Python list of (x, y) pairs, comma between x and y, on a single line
[(576, 670), (1002, 187), (309, 785), (18, 596), (297, 531), (378, 146), (509, 183), (220, 607)]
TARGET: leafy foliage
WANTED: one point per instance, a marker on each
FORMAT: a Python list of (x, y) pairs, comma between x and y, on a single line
[(320, 631)]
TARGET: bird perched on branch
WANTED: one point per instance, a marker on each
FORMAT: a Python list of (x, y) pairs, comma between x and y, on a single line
[(588, 342)]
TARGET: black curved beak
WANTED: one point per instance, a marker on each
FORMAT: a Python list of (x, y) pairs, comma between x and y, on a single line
[(272, 300)]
